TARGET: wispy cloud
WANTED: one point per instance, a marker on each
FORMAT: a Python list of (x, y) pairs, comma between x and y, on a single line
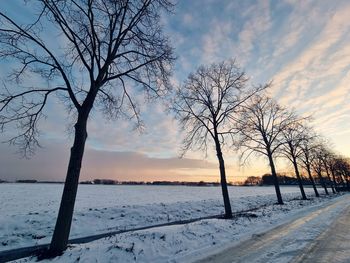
[(316, 61), (301, 45)]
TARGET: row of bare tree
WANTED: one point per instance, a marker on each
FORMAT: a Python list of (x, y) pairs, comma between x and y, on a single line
[(92, 54), (216, 106), (266, 128)]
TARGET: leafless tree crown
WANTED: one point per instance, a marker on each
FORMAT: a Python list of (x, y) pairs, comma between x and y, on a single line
[(102, 47), (294, 135), (307, 146), (260, 126), (207, 103)]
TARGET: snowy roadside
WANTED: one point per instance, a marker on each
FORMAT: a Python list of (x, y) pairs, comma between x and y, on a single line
[(182, 243), (30, 222), (307, 234)]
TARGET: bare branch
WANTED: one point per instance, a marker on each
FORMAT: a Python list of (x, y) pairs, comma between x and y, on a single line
[(105, 49), (208, 102)]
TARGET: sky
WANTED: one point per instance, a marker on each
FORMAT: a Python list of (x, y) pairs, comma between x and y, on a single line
[(301, 46)]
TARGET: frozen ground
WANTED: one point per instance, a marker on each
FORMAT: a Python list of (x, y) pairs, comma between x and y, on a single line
[(28, 211), (318, 234), (249, 238)]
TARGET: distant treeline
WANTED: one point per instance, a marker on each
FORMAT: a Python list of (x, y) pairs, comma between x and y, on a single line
[(39, 182), (267, 179), (31, 181), (26, 181), (115, 182)]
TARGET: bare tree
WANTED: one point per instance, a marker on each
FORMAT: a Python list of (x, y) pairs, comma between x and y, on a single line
[(253, 180), (260, 126), (326, 157), (307, 157), (318, 167), (341, 168), (206, 106), (293, 136), (106, 48), (332, 164)]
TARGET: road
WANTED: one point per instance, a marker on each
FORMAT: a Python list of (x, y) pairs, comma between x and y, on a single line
[(320, 235)]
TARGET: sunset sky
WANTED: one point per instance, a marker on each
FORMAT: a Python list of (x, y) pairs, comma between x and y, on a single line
[(302, 46)]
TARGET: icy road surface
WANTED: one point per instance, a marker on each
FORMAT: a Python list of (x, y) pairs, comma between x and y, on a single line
[(319, 235)]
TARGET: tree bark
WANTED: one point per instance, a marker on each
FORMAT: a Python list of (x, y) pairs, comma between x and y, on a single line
[(342, 180), (227, 204), (63, 224), (335, 181), (347, 181), (330, 181), (298, 178), (312, 180), (275, 179), (322, 183)]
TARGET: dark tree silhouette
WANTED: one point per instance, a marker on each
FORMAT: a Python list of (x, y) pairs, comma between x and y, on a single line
[(253, 180), (293, 136), (341, 167), (260, 126), (106, 48), (326, 157), (307, 157), (318, 167), (206, 106), (332, 168)]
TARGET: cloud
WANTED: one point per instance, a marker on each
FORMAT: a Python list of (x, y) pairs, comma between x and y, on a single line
[(316, 60), (50, 163), (313, 74), (257, 22), (222, 40), (160, 136), (301, 45), (188, 19), (215, 41)]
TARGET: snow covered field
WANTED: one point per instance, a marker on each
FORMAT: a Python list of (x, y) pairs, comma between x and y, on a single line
[(300, 222), (28, 211)]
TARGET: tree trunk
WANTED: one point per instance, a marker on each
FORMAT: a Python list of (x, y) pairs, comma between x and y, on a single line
[(336, 186), (227, 204), (299, 179), (342, 180), (312, 181), (275, 179), (63, 224), (347, 182), (330, 181), (322, 182)]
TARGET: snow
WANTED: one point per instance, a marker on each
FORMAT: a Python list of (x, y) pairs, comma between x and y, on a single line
[(28, 213), (298, 233), (189, 242)]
